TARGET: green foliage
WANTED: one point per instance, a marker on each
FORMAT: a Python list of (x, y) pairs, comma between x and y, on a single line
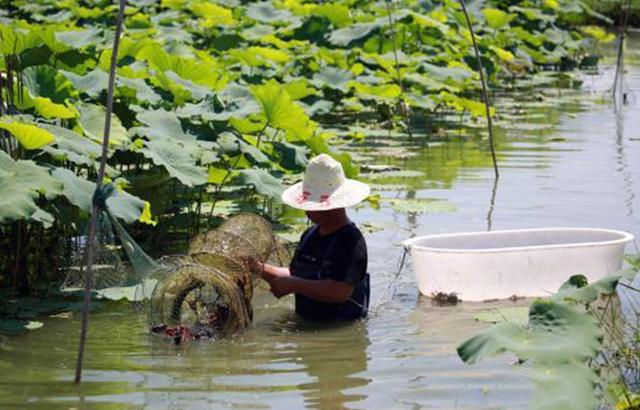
[(91, 120), (29, 136), (240, 87), (263, 182), (559, 339), (281, 111), (23, 183)]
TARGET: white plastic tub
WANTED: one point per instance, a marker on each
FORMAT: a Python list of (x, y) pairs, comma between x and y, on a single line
[(526, 262)]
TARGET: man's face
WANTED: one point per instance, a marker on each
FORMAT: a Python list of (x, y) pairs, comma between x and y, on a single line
[(321, 217)]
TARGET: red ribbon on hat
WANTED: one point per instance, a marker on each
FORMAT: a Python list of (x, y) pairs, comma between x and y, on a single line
[(304, 197), (324, 200)]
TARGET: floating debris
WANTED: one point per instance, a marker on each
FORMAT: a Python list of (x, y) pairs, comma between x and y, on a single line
[(444, 299)]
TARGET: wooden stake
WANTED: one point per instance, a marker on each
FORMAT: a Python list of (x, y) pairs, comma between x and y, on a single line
[(96, 210)]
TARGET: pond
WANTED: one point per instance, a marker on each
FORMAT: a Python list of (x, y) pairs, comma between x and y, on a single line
[(566, 159)]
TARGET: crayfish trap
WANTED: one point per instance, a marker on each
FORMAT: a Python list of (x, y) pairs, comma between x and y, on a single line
[(207, 294)]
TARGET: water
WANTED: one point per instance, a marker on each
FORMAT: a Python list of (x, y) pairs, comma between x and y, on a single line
[(570, 161)]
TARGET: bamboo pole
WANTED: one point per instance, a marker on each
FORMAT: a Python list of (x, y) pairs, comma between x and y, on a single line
[(96, 209), (485, 95)]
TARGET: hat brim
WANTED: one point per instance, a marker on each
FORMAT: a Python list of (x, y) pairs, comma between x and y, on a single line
[(351, 192)]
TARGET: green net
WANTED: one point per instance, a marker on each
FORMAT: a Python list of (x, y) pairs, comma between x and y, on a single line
[(112, 242), (108, 269)]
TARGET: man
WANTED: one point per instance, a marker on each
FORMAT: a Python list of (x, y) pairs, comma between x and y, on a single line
[(328, 273)]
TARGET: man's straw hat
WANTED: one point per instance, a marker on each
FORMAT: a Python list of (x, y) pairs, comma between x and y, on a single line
[(325, 187)]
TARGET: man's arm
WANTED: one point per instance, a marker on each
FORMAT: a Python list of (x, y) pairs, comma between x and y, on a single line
[(271, 272), (326, 290)]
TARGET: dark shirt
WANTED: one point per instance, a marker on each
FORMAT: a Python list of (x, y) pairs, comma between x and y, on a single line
[(341, 256)]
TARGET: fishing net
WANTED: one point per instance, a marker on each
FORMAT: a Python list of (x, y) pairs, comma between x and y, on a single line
[(209, 292), (204, 294), (108, 268), (195, 301), (253, 228)]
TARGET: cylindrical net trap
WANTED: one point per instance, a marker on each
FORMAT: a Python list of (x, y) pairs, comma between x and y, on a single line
[(208, 293), (194, 301)]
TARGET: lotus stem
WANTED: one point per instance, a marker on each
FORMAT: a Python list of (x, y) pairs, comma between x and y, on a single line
[(485, 95), (404, 109), (2, 109), (620, 55), (95, 211)]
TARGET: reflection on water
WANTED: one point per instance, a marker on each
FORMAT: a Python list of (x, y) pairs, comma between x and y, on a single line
[(333, 356), (567, 158)]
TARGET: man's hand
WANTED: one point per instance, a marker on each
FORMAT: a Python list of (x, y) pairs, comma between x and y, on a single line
[(271, 273), (282, 286)]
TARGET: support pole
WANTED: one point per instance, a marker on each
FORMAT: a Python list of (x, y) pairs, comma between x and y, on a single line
[(96, 208), (485, 95)]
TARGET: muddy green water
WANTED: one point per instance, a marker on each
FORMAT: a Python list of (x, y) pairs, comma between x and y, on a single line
[(567, 159)]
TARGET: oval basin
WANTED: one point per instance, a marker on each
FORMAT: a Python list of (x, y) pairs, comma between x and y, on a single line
[(479, 266)]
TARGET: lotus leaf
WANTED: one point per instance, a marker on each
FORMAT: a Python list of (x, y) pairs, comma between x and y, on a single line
[(332, 77), (338, 14), (577, 290), (292, 156), (72, 146), (270, 54), (213, 14), (281, 111), (14, 326), (141, 90), (299, 89), (171, 155), (263, 182), (250, 150), (313, 29), (317, 108), (92, 119), (598, 33), (559, 339), (22, 183), (218, 175), (265, 12), (250, 125), (92, 83), (428, 206), (563, 386), (14, 41), (451, 74), (79, 192), (78, 39), (29, 136), (183, 90), (44, 81), (161, 124), (504, 55), (384, 92), (344, 36), (555, 333), (475, 108), (48, 109), (518, 315), (496, 18)]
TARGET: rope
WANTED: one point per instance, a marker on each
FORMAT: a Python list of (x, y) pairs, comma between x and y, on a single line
[(391, 288), (100, 196)]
